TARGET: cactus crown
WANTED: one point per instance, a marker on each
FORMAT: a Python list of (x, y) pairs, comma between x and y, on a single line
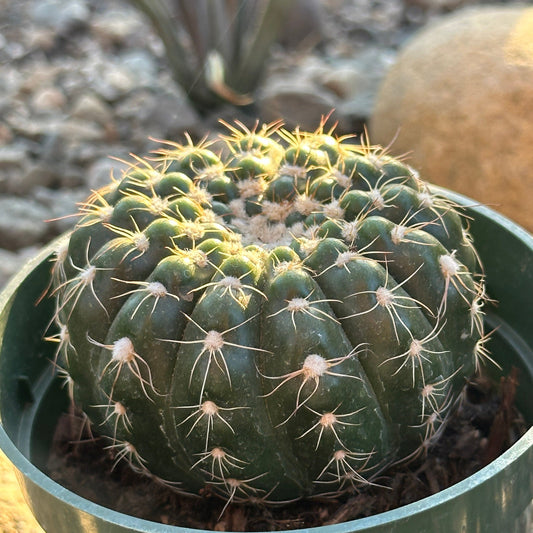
[(274, 314)]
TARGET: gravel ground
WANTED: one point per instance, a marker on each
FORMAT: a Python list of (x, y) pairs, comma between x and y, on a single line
[(85, 79)]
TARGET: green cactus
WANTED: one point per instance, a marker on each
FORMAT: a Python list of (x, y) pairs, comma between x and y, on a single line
[(274, 315)]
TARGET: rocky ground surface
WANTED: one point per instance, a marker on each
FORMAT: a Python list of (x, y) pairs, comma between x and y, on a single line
[(81, 80)]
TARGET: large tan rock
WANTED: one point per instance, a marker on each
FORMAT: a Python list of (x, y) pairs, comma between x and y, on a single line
[(460, 100)]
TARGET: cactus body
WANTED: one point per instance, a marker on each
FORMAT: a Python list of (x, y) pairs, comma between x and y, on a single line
[(282, 321)]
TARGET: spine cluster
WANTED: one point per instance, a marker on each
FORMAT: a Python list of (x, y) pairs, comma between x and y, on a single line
[(279, 315)]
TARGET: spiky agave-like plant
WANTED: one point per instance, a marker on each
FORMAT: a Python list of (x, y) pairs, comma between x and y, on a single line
[(282, 318), (217, 50)]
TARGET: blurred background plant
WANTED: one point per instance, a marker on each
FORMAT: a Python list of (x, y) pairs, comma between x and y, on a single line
[(217, 50), (83, 79)]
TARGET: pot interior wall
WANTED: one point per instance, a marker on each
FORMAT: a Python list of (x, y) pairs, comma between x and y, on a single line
[(506, 252), (28, 407)]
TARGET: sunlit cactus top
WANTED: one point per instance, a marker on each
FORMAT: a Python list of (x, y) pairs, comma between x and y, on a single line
[(270, 315)]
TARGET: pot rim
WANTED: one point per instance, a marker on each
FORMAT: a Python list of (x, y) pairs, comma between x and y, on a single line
[(27, 469)]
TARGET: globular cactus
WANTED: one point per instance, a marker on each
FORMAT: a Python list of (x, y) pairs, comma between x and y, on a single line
[(274, 314)]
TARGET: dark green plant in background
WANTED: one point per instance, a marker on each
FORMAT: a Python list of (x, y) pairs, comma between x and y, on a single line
[(217, 50)]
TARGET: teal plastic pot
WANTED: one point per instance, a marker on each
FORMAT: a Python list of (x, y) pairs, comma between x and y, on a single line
[(498, 498)]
